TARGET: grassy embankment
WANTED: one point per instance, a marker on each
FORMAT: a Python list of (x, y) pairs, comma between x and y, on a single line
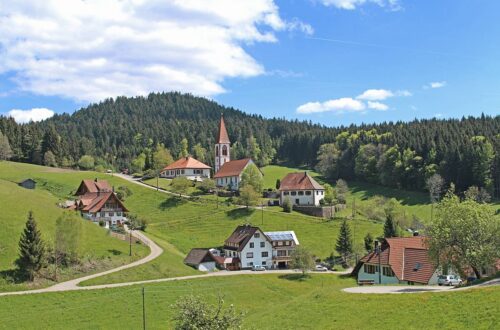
[(98, 250), (270, 302)]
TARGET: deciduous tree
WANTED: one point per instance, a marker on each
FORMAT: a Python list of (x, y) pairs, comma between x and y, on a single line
[(464, 234)]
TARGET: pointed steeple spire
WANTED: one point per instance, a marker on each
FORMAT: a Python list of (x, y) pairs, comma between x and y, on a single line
[(222, 137)]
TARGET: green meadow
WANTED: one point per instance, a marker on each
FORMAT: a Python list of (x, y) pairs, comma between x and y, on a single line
[(269, 301)]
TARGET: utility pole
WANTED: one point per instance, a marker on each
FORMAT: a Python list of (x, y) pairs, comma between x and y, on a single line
[(157, 181), (143, 310), (130, 241), (217, 197), (262, 209), (379, 264)]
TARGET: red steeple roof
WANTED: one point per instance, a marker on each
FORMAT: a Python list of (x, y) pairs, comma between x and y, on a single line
[(222, 137)]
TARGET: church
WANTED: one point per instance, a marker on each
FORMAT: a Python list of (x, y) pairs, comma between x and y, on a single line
[(227, 172)]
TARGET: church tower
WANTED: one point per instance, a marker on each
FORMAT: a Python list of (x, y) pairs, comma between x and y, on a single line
[(222, 146)]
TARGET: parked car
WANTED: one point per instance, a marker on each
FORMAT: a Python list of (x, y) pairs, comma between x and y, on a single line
[(449, 280), (320, 268), (258, 268)]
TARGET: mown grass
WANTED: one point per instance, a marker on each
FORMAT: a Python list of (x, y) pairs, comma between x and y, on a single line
[(270, 301), (98, 250)]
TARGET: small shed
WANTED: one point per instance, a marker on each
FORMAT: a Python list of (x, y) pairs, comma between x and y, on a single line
[(201, 259), (28, 184)]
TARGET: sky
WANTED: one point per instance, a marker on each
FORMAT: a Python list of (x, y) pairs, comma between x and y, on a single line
[(334, 62)]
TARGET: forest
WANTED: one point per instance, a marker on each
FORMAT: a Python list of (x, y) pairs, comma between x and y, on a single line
[(127, 132)]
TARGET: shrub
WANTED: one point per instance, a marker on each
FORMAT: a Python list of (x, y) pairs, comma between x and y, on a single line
[(287, 205)]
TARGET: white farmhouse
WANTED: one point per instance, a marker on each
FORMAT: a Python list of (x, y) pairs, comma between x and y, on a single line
[(301, 189), (284, 243), (248, 246), (187, 167)]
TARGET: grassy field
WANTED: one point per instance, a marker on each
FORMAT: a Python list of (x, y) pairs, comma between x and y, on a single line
[(98, 250), (270, 302)]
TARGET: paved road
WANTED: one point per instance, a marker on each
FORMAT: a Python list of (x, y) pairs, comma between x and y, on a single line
[(73, 284)]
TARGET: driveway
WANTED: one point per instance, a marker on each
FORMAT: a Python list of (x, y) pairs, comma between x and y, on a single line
[(396, 289), (375, 289)]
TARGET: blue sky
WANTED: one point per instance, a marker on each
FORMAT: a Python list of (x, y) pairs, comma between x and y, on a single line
[(335, 62)]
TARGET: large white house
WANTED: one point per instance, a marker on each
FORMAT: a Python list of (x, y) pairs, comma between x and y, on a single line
[(187, 167), (97, 202), (301, 189), (248, 246)]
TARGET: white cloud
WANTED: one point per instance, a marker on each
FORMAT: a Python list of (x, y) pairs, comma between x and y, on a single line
[(375, 95), (90, 50), (368, 99), (345, 104), (25, 116), (435, 84), (353, 4), (377, 106)]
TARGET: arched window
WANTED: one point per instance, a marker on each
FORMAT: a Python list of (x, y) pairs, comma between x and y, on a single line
[(217, 150), (224, 150)]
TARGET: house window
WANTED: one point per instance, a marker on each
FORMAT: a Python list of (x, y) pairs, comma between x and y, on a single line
[(265, 254), (317, 192), (293, 193), (387, 271), (301, 193), (263, 263), (118, 214), (321, 193), (251, 245), (256, 235), (250, 264), (182, 171), (103, 214), (286, 193), (308, 193), (262, 244), (249, 255), (281, 253), (370, 269), (280, 243), (111, 214)]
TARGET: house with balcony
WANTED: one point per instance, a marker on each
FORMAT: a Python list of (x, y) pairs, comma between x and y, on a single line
[(188, 167), (283, 243), (301, 189), (248, 246), (97, 202)]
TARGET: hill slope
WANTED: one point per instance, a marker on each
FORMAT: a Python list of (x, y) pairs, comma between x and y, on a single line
[(118, 130)]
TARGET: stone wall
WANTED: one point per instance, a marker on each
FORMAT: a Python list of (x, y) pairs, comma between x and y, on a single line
[(319, 211)]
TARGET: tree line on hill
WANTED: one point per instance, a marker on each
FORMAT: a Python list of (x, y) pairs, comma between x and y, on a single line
[(128, 132)]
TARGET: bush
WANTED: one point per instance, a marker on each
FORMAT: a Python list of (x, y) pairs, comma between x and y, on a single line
[(86, 162), (287, 205)]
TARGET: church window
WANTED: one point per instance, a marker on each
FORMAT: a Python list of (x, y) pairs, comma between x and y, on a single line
[(217, 150), (224, 150)]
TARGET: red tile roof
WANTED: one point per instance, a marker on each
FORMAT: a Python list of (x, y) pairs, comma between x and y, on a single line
[(94, 202), (197, 256), (240, 237), (407, 256), (417, 266), (93, 186), (232, 168), (222, 137), (186, 162), (299, 181)]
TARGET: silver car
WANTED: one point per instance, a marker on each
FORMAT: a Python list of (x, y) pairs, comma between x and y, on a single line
[(449, 280)]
